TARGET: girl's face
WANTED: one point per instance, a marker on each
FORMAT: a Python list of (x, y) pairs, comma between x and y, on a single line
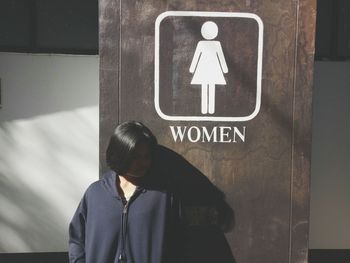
[(141, 160)]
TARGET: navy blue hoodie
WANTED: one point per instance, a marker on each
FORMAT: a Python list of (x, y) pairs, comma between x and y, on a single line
[(100, 233)]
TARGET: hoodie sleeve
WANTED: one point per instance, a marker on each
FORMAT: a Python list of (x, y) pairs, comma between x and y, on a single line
[(76, 248)]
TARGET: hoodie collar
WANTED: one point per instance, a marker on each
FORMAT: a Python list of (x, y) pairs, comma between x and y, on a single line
[(109, 181)]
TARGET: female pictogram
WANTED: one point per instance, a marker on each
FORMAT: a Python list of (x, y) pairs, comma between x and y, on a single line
[(208, 65)]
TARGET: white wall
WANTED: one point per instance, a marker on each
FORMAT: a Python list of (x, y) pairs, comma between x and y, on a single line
[(330, 163), (48, 146)]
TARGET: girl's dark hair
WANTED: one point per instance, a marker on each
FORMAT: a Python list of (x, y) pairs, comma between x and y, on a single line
[(123, 142)]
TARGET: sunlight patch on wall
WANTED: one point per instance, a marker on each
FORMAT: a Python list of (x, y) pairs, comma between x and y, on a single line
[(46, 163)]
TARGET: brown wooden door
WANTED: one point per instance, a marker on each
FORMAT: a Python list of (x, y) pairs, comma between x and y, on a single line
[(254, 145)]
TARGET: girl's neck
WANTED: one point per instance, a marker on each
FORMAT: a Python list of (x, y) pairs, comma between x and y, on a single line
[(125, 187)]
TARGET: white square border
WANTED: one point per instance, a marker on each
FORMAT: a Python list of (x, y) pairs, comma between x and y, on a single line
[(207, 14)]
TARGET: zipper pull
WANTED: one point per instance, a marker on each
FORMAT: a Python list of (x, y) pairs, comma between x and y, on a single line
[(122, 258), (125, 209)]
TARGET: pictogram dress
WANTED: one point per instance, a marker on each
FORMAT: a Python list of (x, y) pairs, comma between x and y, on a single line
[(208, 69)]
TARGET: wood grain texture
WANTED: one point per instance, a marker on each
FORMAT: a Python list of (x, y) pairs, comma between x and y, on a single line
[(109, 39), (300, 179), (266, 178)]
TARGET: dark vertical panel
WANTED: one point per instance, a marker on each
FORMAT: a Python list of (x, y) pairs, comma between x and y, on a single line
[(109, 38), (254, 175), (265, 179), (300, 177)]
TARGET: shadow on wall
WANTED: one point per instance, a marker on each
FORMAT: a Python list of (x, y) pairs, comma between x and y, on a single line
[(46, 163), (205, 215)]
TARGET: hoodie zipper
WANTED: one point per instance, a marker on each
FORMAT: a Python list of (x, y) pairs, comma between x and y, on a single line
[(122, 257)]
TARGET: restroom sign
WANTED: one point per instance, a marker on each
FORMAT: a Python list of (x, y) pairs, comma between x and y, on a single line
[(208, 66)]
